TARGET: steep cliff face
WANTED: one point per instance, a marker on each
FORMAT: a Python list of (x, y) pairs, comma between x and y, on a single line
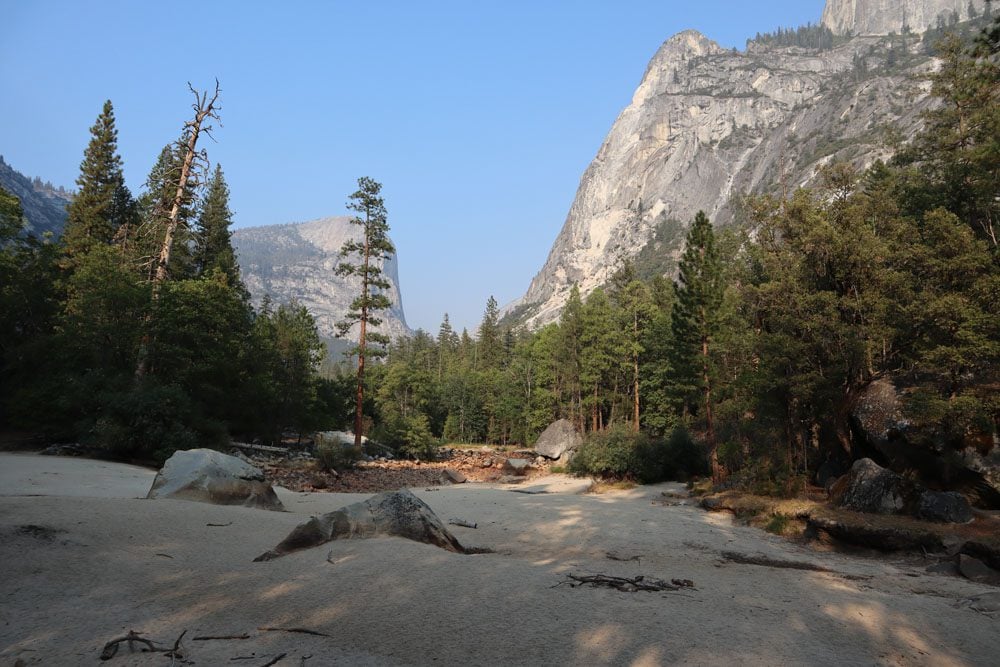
[(880, 17), (707, 124), (44, 208), (298, 261)]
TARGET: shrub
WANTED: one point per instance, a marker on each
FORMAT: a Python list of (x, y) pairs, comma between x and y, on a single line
[(408, 436), (335, 455), (615, 453), (152, 422), (683, 458)]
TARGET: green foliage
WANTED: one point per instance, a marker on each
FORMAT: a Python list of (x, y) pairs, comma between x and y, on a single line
[(336, 456), (617, 453), (809, 36), (150, 422), (91, 219)]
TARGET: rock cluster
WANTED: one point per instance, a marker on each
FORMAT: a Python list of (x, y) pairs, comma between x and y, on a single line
[(869, 487)]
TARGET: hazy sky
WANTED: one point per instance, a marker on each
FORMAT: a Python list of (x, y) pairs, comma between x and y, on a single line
[(478, 117)]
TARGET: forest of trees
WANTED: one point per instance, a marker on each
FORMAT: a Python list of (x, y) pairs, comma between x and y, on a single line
[(772, 328), (134, 332), (745, 366)]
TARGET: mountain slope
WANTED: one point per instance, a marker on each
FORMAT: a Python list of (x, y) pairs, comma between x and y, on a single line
[(707, 124), (298, 261), (44, 207)]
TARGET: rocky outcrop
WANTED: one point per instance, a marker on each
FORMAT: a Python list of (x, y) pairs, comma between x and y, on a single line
[(299, 261), (208, 476), (869, 487), (560, 439), (880, 17), (881, 427), (705, 125), (44, 207), (392, 513), (944, 507)]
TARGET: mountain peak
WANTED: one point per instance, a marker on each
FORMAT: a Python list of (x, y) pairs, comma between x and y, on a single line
[(880, 17)]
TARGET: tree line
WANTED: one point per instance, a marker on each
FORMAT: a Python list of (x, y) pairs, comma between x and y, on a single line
[(134, 332), (772, 328)]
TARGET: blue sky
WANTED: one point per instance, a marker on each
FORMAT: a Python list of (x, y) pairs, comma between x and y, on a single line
[(478, 117)]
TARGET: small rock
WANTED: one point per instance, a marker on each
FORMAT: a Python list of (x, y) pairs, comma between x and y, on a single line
[(944, 507), (454, 476), (976, 570), (517, 466), (510, 479)]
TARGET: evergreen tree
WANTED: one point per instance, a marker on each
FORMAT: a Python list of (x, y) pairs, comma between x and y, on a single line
[(370, 252), (90, 217), (214, 247), (490, 344), (694, 323)]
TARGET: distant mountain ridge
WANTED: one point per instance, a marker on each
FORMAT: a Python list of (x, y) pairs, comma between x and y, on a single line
[(44, 206), (708, 124), (298, 261)]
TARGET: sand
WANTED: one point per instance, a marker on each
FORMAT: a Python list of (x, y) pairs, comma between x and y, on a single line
[(110, 561)]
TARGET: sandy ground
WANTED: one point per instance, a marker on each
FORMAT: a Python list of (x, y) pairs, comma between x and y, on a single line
[(115, 562)]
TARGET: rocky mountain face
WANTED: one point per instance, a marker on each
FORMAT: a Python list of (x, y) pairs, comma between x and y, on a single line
[(707, 125), (880, 17), (44, 206), (298, 261)]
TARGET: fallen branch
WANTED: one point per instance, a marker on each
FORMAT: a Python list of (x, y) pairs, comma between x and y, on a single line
[(304, 631), (165, 556), (764, 561), (111, 648), (219, 525), (626, 584), (614, 555), (206, 638), (276, 659), (463, 523)]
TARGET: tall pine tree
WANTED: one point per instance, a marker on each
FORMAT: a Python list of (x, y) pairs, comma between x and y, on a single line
[(694, 323), (214, 247), (91, 216), (369, 252)]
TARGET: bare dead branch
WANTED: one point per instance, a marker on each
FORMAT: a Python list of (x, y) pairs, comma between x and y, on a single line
[(304, 631), (275, 660), (205, 638)]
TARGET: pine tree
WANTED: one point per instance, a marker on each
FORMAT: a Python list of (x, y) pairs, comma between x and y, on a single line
[(490, 344), (90, 217), (694, 322), (370, 252), (214, 249)]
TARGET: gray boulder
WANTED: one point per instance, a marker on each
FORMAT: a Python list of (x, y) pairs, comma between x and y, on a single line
[(944, 506), (391, 513), (558, 440), (208, 476), (868, 487), (518, 467)]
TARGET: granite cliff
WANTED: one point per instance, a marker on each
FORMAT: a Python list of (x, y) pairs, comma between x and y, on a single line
[(708, 124), (298, 261)]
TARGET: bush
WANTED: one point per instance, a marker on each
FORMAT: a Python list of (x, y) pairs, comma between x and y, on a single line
[(335, 455), (408, 436), (616, 453), (683, 458), (151, 423)]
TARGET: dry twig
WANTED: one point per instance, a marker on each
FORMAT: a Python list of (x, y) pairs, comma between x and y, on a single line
[(626, 584), (304, 631)]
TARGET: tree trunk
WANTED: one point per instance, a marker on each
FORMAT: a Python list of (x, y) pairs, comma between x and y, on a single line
[(358, 410), (713, 448), (203, 108)]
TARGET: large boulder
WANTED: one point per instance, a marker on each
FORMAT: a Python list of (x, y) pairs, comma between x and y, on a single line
[(391, 513), (559, 440), (944, 506), (970, 464), (868, 487), (208, 476)]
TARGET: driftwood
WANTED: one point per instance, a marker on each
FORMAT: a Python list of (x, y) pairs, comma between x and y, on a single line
[(219, 525), (626, 584), (764, 561), (463, 523), (275, 660), (206, 638), (304, 631), (111, 648)]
